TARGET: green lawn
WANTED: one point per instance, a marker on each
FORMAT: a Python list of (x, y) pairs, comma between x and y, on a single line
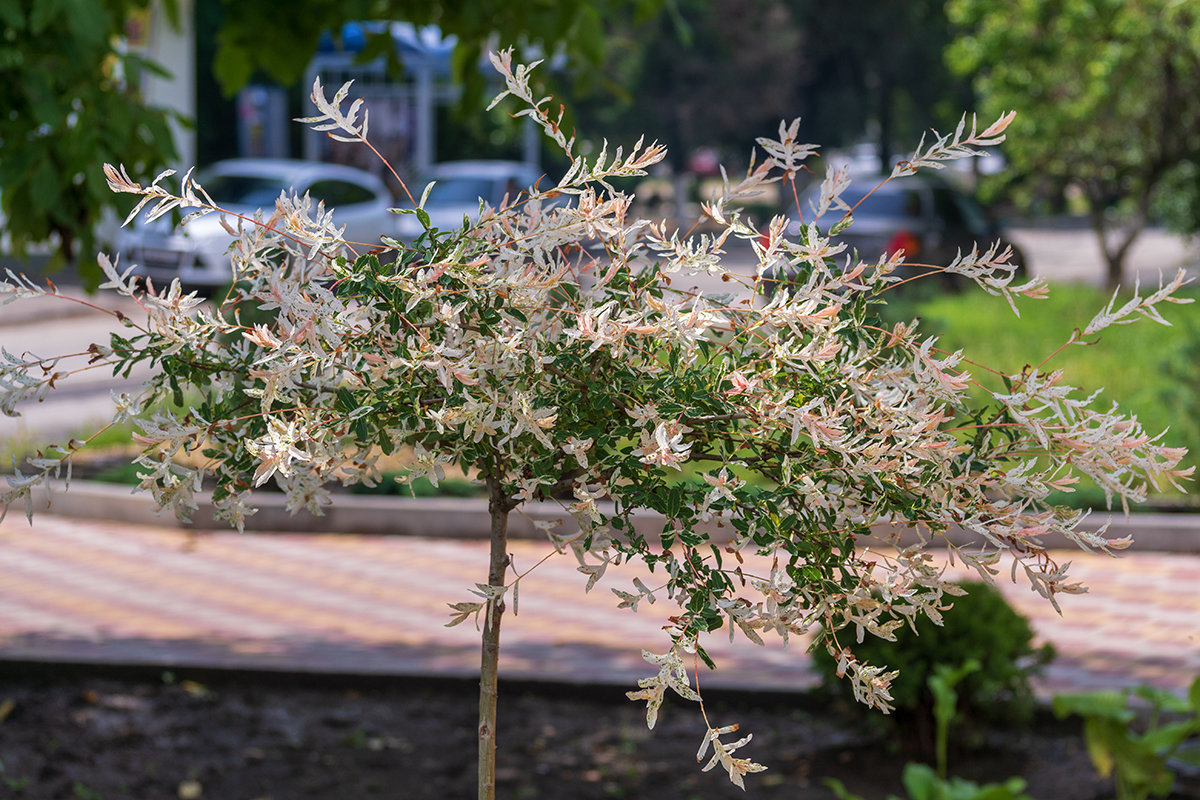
[(1149, 369)]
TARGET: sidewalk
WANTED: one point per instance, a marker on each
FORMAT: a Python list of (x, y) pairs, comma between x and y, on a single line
[(101, 592)]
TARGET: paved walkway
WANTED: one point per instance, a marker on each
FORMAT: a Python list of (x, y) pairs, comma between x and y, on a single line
[(110, 593)]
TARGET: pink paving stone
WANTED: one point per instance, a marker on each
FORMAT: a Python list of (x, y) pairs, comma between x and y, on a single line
[(376, 604), (269, 579)]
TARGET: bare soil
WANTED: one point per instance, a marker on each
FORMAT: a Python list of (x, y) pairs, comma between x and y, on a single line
[(252, 737)]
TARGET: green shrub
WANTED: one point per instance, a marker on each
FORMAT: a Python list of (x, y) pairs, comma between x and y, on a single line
[(922, 783), (926, 783), (981, 626), (1134, 749)]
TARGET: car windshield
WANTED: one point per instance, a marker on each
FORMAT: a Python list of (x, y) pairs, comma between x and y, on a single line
[(257, 191), (459, 191), (886, 202)]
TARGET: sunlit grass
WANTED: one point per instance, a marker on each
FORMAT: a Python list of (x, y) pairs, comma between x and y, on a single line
[(1135, 365), (110, 440)]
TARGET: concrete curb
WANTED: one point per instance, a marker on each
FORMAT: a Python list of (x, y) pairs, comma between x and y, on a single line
[(455, 518)]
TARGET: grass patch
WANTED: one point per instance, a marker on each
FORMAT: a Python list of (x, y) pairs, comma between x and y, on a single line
[(123, 472), (1142, 366)]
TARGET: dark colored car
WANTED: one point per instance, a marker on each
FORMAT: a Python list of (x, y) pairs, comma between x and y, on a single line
[(924, 216)]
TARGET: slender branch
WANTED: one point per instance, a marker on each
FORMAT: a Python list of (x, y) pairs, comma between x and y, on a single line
[(716, 418), (556, 372)]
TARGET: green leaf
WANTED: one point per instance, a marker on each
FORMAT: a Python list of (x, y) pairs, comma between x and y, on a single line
[(1166, 738), (136, 65), (841, 225), (44, 187), (345, 401), (12, 14), (921, 782), (1103, 704), (1162, 699), (945, 698), (42, 15), (841, 791), (1011, 789), (87, 21), (233, 68)]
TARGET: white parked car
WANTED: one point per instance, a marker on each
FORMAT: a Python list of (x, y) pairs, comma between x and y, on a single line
[(460, 185), (196, 253)]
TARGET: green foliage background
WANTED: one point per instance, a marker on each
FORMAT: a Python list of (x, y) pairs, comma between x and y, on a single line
[(70, 104), (1105, 95)]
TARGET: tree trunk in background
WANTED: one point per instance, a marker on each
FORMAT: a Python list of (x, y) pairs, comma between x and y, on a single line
[(884, 110), (1116, 251)]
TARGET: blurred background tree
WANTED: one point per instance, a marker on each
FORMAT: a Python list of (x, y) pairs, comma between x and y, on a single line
[(69, 94), (1102, 87), (1107, 102), (72, 70), (703, 80), (704, 75), (712, 76), (256, 38), (719, 73), (877, 68)]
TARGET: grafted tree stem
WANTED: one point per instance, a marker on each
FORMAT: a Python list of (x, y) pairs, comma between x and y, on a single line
[(498, 507)]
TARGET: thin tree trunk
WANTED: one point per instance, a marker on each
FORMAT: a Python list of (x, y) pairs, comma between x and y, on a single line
[(1131, 234), (677, 153), (498, 507), (1112, 266), (1116, 252), (885, 125)]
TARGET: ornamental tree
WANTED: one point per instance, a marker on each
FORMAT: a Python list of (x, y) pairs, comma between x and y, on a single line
[(547, 349)]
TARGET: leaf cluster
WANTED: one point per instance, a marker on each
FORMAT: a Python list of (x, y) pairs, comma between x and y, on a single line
[(921, 782), (71, 103)]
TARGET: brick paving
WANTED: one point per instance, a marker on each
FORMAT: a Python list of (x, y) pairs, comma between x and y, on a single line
[(114, 593)]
